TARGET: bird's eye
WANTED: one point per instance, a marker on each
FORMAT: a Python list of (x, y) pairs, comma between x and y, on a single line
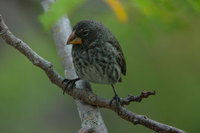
[(85, 33)]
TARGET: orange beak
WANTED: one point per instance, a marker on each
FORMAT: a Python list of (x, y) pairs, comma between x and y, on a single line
[(74, 39)]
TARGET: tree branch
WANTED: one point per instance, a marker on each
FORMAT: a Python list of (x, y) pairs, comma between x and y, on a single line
[(90, 115), (84, 95), (130, 98)]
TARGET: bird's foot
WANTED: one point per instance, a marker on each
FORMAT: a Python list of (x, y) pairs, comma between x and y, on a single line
[(117, 100), (69, 84)]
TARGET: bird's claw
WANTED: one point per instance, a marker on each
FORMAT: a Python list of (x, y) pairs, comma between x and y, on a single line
[(69, 84), (117, 101)]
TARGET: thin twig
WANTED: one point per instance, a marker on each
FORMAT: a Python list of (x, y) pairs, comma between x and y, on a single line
[(83, 95), (130, 98)]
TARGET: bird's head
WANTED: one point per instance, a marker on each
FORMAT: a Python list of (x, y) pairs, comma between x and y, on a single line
[(86, 31)]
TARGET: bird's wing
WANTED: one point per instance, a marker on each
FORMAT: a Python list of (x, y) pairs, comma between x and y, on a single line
[(120, 56)]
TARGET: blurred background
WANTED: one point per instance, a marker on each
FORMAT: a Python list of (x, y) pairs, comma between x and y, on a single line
[(160, 40)]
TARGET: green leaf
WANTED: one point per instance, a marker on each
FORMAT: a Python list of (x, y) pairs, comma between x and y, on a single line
[(56, 11), (195, 4)]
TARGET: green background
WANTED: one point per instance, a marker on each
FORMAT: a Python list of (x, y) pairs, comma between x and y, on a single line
[(161, 55)]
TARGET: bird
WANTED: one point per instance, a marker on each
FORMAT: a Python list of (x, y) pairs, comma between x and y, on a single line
[(97, 55)]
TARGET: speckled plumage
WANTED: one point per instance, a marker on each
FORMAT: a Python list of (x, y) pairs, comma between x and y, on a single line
[(99, 58)]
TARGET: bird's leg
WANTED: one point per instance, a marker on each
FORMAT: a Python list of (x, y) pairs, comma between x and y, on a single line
[(116, 98), (69, 83)]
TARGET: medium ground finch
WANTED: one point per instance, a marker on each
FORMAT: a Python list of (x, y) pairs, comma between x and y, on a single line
[(97, 55)]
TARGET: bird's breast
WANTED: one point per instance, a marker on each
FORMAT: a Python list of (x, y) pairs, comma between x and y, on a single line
[(96, 66)]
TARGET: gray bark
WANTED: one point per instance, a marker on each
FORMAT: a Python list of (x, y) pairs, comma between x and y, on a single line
[(90, 115)]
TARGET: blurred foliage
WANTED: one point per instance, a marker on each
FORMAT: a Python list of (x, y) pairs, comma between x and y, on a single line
[(167, 14), (57, 10), (195, 4), (118, 9)]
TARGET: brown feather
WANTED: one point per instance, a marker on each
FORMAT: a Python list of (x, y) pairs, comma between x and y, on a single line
[(120, 58)]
